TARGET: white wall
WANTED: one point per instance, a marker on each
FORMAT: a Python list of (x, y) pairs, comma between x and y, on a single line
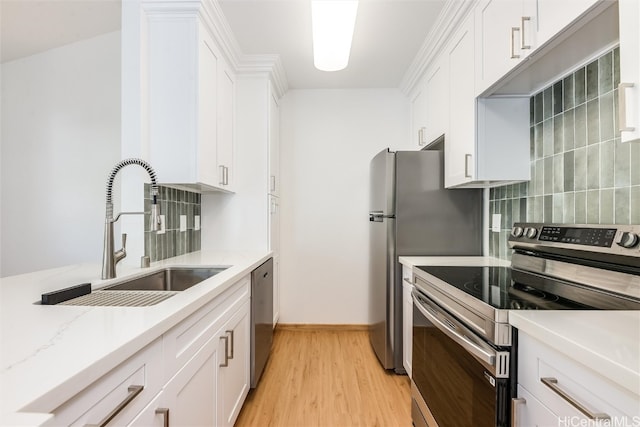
[(239, 221), (60, 138), (328, 138)]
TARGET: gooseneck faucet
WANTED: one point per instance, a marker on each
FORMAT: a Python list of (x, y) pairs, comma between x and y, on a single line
[(110, 257)]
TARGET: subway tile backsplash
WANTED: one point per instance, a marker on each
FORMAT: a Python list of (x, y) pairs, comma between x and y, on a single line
[(580, 171), (173, 204)]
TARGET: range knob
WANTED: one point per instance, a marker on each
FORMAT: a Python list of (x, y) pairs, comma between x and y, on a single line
[(517, 231), (628, 239), (530, 232)]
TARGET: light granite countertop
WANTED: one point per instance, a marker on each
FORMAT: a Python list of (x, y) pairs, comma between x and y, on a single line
[(50, 353)]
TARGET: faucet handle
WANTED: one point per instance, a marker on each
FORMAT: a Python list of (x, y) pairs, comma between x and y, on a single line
[(124, 240)]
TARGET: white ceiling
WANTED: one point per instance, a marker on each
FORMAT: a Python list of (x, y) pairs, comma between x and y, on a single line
[(387, 36), (32, 26)]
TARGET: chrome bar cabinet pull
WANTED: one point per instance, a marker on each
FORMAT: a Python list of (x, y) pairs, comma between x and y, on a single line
[(514, 409), (467, 158), (232, 345), (165, 415), (622, 108), (513, 43), (226, 352), (552, 383), (522, 21), (133, 391)]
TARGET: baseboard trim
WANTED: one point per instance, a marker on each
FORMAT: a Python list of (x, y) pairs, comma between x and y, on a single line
[(320, 327)]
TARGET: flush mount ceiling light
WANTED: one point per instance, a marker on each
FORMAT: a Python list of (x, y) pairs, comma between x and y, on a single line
[(333, 22)]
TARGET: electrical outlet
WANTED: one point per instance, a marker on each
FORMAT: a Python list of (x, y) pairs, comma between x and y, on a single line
[(183, 223), (496, 220), (162, 225), (196, 222)]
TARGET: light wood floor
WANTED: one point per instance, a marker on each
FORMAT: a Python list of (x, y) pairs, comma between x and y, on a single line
[(326, 378)]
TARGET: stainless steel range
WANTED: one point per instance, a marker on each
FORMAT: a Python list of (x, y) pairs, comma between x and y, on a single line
[(464, 349)]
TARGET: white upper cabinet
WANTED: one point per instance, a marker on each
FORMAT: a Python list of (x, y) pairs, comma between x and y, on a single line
[(437, 103), (629, 89), (274, 145), (553, 16), (226, 124), (429, 105), (190, 90), (509, 32), (460, 141), (419, 116), (488, 138), (502, 39)]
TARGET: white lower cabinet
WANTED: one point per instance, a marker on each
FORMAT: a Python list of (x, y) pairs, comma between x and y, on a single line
[(407, 318), (558, 390), (210, 389), (530, 412), (196, 374), (189, 398), (128, 387), (233, 368)]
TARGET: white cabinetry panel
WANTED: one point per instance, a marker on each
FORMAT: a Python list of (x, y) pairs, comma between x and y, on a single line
[(460, 143), (574, 382), (629, 89)]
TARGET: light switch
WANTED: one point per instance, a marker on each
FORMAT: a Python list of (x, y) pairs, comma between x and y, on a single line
[(183, 223)]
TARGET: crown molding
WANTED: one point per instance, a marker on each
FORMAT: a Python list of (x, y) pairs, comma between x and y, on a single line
[(213, 18), (265, 66), (450, 17)]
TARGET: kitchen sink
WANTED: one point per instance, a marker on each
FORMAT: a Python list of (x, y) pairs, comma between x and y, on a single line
[(147, 290), (168, 279)]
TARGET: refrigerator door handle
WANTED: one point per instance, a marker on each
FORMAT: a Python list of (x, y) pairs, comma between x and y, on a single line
[(378, 216)]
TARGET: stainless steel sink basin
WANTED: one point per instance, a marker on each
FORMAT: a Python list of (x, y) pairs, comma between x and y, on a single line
[(168, 279)]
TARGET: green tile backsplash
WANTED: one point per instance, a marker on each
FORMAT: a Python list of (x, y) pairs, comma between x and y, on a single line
[(580, 171), (173, 242)]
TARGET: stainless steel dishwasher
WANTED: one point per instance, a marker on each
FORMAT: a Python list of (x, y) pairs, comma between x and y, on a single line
[(261, 318)]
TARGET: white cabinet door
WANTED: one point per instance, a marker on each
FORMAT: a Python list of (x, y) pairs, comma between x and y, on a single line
[(189, 397), (407, 319), (460, 144), (498, 40), (531, 413), (226, 118), (276, 289), (208, 63), (233, 368), (274, 145), (629, 89), (437, 102), (554, 16), (190, 96), (419, 116), (274, 245)]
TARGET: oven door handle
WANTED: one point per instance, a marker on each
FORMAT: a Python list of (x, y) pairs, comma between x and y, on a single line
[(482, 354)]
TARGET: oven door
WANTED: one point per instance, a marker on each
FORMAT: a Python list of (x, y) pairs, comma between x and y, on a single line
[(454, 371)]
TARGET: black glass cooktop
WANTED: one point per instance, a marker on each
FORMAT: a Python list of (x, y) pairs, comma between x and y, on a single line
[(494, 286)]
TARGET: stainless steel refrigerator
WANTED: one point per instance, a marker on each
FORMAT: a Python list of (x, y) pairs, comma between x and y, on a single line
[(412, 214)]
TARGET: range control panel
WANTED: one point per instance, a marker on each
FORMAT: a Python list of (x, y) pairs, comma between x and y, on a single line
[(598, 238), (579, 236)]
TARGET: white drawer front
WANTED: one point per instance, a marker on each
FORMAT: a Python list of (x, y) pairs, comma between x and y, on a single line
[(583, 385), (92, 405), (183, 341)]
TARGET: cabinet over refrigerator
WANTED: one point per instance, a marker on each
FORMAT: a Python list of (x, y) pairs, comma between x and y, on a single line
[(412, 214)]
